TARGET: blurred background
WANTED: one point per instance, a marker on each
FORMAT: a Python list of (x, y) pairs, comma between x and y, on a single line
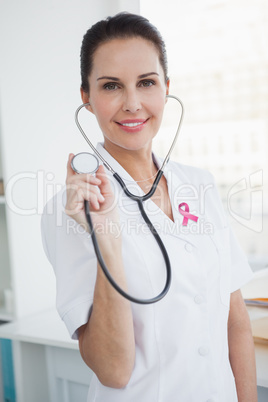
[(218, 67)]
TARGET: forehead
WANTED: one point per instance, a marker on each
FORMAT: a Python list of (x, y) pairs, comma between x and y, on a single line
[(117, 56)]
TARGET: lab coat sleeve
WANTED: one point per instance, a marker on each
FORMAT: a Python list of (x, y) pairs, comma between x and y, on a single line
[(241, 272), (70, 251)]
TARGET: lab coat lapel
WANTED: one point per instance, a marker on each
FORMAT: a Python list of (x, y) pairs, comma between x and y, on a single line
[(180, 190)]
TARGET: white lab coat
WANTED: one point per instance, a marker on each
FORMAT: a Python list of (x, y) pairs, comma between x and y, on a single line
[(181, 341)]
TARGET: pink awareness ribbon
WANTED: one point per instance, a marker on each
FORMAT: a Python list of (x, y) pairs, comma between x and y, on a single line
[(186, 214)]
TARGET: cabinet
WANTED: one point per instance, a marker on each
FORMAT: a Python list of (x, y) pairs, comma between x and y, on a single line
[(47, 363)]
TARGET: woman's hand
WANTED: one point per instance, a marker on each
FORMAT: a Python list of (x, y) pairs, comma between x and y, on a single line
[(97, 191)]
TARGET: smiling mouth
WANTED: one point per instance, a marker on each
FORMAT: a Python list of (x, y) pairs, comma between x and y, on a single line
[(132, 123)]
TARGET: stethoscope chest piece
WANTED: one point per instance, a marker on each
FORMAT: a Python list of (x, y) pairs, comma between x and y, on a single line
[(84, 162)]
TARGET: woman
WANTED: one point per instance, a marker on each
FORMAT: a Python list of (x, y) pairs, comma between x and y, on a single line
[(195, 344)]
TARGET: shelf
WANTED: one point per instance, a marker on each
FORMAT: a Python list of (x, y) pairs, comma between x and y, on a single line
[(44, 328)]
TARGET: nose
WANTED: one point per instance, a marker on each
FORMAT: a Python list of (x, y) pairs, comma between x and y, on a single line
[(131, 102)]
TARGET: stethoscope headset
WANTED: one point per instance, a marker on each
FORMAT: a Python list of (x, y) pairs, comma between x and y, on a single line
[(88, 163)]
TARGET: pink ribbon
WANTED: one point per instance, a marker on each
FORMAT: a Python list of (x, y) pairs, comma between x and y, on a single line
[(186, 214)]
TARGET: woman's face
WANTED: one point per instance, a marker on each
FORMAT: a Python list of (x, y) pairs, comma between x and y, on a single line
[(127, 93)]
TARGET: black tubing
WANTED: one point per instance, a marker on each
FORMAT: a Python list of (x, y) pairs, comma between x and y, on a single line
[(139, 197), (105, 269)]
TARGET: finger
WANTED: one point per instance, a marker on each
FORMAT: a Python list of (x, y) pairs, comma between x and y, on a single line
[(92, 198), (83, 179), (90, 189), (94, 203), (80, 191), (104, 187), (90, 193), (70, 171), (77, 204), (89, 178)]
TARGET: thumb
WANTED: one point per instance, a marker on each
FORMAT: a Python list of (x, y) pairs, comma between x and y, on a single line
[(70, 171)]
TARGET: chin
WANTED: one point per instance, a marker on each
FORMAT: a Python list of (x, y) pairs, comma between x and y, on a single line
[(134, 146), (128, 143)]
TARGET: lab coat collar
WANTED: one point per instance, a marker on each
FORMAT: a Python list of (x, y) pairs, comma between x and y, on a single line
[(156, 215), (119, 169)]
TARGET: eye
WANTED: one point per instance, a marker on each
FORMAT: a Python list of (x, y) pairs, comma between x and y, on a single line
[(110, 86), (147, 83)]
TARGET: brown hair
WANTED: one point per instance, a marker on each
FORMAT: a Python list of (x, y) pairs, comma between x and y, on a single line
[(122, 26)]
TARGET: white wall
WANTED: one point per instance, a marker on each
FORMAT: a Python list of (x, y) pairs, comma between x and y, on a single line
[(39, 93)]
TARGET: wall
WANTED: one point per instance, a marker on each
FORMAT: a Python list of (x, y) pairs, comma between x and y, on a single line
[(39, 81)]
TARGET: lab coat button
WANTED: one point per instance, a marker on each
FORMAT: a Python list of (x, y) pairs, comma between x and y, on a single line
[(198, 299), (188, 247), (203, 351)]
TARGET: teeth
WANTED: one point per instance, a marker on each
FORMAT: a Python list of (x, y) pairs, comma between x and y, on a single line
[(132, 124)]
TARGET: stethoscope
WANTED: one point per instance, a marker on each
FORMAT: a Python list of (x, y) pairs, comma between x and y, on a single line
[(88, 163)]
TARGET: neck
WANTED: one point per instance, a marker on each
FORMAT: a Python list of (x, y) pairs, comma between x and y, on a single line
[(139, 164)]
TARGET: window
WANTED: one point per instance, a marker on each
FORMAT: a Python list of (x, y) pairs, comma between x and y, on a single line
[(218, 65)]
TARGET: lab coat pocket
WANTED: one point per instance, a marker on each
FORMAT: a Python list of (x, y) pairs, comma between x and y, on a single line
[(221, 238)]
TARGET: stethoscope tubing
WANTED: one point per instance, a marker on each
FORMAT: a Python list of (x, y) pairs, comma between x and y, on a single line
[(139, 200), (106, 271)]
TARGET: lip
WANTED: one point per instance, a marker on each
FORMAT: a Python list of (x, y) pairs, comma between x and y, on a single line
[(134, 129), (132, 121)]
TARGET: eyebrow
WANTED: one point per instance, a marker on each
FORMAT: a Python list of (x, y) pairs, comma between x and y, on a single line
[(105, 77)]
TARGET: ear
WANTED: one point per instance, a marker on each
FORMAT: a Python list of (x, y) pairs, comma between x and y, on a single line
[(85, 99), (167, 88)]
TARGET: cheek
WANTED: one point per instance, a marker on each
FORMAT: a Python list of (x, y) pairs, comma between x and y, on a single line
[(100, 107), (159, 109), (102, 112)]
